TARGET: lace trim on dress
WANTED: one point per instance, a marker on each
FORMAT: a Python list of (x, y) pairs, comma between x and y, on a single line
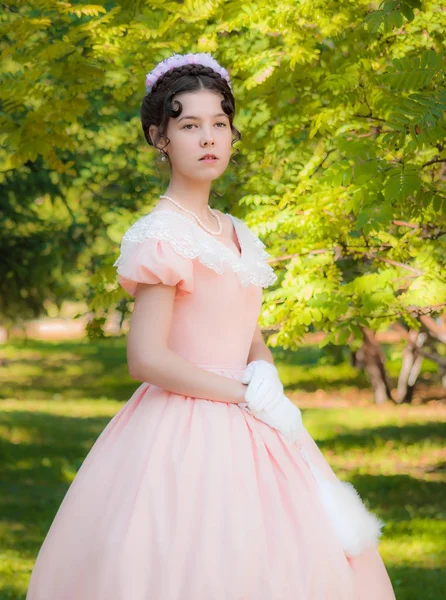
[(195, 243)]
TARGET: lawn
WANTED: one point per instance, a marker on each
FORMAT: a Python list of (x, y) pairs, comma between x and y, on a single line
[(57, 397)]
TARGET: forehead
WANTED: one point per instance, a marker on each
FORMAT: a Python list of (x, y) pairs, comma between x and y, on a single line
[(200, 103)]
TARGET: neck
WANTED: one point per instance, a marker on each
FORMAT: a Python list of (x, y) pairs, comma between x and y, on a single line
[(192, 194)]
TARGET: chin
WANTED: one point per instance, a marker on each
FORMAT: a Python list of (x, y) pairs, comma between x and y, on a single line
[(206, 174), (208, 177)]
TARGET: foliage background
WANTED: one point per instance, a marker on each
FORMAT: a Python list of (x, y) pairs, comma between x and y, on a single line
[(340, 170), (341, 166)]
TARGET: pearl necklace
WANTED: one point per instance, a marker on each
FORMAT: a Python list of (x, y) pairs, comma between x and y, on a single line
[(220, 228)]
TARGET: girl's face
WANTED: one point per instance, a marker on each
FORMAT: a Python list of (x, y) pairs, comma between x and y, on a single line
[(202, 128)]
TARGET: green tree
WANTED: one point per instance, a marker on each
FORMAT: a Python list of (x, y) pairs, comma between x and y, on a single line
[(340, 170)]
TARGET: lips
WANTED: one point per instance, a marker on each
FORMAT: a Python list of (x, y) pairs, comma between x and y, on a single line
[(208, 156)]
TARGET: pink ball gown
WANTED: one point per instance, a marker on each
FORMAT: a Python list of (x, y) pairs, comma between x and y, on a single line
[(182, 498)]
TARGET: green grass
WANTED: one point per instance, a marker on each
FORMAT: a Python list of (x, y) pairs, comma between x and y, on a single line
[(57, 397)]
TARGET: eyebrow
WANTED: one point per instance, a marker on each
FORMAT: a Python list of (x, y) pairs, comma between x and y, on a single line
[(198, 118)]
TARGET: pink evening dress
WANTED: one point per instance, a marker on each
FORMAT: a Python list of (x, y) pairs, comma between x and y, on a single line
[(182, 498)]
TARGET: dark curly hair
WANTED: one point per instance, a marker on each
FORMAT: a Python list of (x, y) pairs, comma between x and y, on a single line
[(157, 106)]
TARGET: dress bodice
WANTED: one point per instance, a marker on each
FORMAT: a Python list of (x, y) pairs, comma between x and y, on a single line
[(219, 293)]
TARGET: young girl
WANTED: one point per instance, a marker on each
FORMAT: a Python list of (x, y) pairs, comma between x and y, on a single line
[(205, 485)]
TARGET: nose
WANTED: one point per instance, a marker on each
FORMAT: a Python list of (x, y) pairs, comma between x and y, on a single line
[(207, 140)]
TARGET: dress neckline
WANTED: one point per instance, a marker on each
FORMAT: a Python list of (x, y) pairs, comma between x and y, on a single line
[(237, 256)]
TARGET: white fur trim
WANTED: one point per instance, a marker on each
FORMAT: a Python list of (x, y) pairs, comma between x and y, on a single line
[(356, 527)]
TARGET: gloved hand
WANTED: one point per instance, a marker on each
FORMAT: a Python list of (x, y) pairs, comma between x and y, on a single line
[(266, 400), (285, 417), (265, 388)]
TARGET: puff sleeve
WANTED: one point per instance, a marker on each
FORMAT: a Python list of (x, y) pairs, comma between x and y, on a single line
[(149, 259)]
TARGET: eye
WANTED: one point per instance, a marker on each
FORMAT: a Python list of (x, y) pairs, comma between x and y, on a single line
[(193, 124)]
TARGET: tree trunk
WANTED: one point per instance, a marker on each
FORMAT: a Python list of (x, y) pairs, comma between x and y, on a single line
[(372, 358), (411, 365)]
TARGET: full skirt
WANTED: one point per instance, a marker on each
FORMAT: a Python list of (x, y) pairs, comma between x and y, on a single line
[(190, 499)]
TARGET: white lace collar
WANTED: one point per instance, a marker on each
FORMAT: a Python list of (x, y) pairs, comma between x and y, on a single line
[(193, 242)]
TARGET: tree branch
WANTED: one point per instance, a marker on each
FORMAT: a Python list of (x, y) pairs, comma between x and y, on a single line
[(433, 161), (398, 264)]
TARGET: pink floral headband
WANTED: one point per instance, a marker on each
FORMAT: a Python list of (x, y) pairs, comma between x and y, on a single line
[(178, 60)]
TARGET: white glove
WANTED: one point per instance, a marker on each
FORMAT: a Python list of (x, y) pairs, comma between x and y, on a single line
[(285, 417), (265, 388), (266, 400)]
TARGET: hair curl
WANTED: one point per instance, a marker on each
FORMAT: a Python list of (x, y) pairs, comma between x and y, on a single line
[(157, 105)]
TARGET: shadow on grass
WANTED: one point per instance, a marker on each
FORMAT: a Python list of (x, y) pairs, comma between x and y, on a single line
[(371, 437), (36, 470), (67, 370), (9, 592), (408, 581), (399, 497), (50, 445)]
